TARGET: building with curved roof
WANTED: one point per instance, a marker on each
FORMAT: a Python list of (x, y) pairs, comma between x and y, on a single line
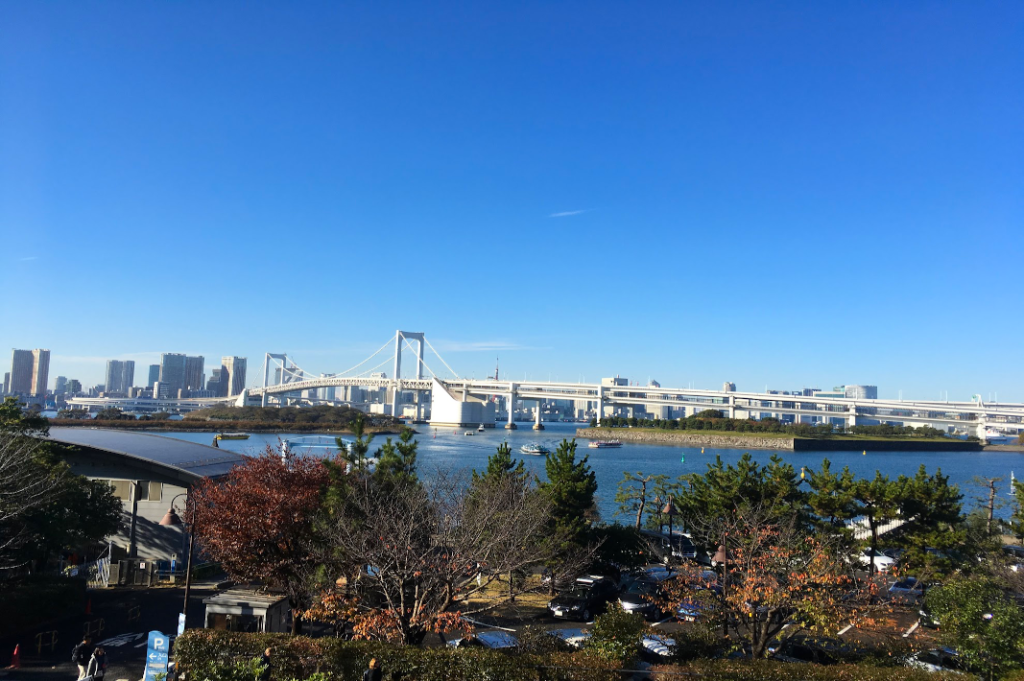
[(148, 473)]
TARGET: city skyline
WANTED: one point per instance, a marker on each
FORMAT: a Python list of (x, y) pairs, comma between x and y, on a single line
[(807, 195)]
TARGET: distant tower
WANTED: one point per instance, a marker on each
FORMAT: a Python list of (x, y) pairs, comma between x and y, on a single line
[(495, 368)]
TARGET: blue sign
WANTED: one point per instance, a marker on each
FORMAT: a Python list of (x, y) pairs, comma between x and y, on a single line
[(156, 655)]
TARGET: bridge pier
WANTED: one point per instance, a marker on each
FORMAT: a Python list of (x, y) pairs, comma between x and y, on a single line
[(851, 417), (537, 425), (511, 407), (600, 403)]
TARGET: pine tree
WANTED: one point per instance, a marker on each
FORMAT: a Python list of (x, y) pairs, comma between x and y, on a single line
[(569, 489)]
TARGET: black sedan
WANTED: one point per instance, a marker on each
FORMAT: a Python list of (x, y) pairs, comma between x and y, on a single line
[(584, 600)]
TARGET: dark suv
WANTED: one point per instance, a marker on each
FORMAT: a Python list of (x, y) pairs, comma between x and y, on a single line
[(642, 597), (589, 596)]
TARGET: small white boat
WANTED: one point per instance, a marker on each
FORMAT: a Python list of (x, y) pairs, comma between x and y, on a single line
[(604, 444), (480, 429), (469, 432), (534, 449)]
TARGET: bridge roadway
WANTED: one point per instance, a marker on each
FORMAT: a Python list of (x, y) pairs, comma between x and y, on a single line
[(1005, 416)]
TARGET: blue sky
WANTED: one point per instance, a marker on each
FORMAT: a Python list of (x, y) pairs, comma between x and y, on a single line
[(783, 194)]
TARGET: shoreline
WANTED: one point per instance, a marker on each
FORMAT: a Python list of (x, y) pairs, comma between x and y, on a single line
[(225, 427), (768, 441)]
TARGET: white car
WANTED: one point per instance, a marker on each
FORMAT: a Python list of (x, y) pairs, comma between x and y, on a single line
[(486, 639), (936, 660), (882, 562), (658, 646), (574, 637)]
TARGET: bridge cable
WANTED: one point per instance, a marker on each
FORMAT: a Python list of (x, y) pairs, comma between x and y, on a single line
[(440, 358)]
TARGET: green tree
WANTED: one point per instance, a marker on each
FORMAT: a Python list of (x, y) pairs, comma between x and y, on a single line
[(617, 634), (933, 510), (501, 465), (398, 459), (831, 497), (569, 489), (634, 493), (44, 507), (878, 500), (356, 452), (981, 622)]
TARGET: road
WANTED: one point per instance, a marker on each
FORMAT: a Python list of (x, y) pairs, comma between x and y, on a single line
[(126, 615)]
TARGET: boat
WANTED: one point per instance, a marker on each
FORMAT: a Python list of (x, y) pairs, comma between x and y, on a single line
[(604, 444), (480, 429), (469, 432), (534, 449), (233, 436)]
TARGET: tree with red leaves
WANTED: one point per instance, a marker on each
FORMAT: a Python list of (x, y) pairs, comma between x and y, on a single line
[(261, 522)]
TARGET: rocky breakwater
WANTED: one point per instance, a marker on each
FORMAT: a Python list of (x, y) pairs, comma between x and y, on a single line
[(686, 439)]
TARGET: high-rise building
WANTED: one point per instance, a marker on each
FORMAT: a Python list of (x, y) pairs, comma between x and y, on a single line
[(862, 392), (60, 386), (194, 373), (30, 371), (120, 376), (21, 372), (74, 386), (233, 368), (7, 382), (213, 385), (154, 375), (172, 371)]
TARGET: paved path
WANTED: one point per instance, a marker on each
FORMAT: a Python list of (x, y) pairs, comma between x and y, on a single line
[(123, 635)]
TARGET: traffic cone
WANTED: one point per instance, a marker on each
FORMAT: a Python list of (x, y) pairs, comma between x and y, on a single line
[(16, 657)]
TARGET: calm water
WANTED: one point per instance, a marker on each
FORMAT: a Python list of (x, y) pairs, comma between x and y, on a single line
[(452, 450)]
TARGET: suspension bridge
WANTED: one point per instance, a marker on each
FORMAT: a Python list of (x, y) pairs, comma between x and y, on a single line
[(444, 398)]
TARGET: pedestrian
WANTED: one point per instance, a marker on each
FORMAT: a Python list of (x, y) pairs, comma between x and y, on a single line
[(373, 672), (97, 664), (81, 654), (265, 659)]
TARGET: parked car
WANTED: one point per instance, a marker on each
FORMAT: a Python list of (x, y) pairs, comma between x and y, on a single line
[(677, 545), (1014, 556), (657, 647), (928, 620), (882, 562), (642, 597), (574, 637), (910, 590), (936, 660), (486, 639), (589, 596), (808, 649)]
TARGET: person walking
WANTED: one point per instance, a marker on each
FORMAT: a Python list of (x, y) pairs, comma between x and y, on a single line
[(97, 665), (373, 672), (81, 654), (265, 659)]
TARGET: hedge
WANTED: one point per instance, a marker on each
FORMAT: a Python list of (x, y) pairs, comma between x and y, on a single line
[(299, 657), (767, 670)]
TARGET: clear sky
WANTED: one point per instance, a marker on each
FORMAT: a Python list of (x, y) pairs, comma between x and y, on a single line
[(785, 194)]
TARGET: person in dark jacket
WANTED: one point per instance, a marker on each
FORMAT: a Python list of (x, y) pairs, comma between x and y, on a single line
[(97, 667), (81, 655), (265, 659), (373, 672)]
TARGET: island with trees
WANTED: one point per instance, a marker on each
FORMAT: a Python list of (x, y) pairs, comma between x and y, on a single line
[(710, 428)]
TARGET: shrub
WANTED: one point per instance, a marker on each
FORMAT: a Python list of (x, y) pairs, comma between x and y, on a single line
[(616, 635), (215, 656), (767, 670)]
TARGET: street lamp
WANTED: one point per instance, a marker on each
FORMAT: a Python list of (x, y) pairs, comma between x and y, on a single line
[(669, 510), (172, 518), (722, 558)]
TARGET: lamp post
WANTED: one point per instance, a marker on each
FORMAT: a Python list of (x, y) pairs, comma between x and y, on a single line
[(172, 518), (722, 558), (669, 510)]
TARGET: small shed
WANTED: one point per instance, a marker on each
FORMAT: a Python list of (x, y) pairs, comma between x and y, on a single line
[(247, 610)]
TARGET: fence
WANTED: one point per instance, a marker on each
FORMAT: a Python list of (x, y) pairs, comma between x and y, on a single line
[(96, 573)]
